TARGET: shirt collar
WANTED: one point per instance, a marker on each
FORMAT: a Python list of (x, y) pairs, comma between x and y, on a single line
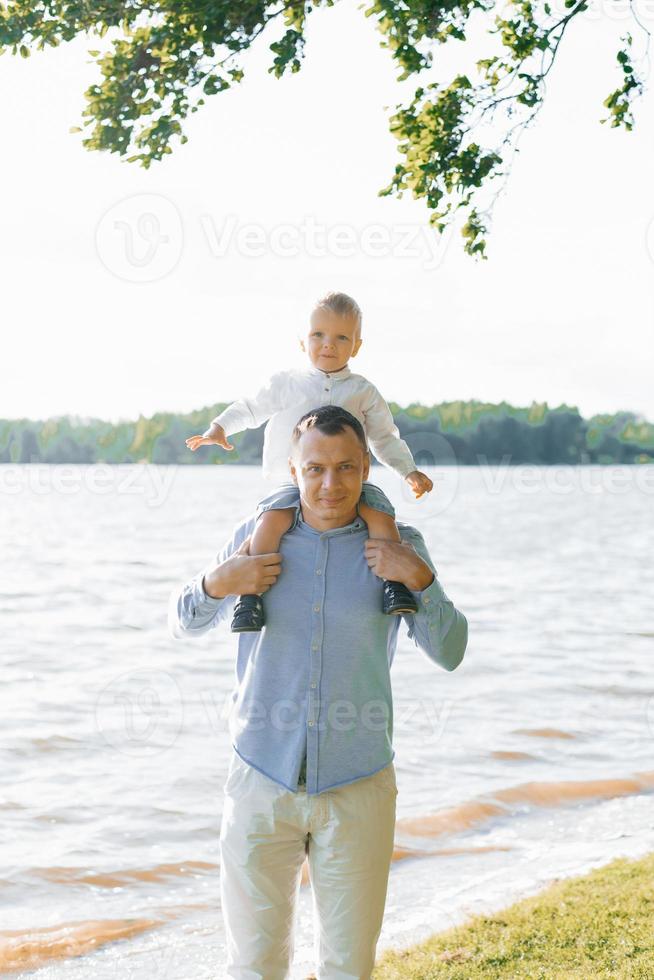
[(354, 525), (336, 375)]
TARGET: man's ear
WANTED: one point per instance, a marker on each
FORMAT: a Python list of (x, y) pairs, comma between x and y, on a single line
[(366, 464), (291, 467)]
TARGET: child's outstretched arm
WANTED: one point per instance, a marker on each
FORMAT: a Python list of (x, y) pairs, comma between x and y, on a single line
[(387, 445), (419, 482), (214, 436), (247, 413)]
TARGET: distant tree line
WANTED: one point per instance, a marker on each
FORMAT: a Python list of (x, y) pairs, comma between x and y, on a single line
[(469, 433)]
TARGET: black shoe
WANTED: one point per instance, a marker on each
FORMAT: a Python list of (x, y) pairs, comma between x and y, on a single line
[(398, 599), (248, 614)]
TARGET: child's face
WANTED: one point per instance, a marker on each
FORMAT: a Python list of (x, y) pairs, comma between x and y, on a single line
[(331, 340)]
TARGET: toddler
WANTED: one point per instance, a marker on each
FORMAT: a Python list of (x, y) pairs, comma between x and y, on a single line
[(333, 337)]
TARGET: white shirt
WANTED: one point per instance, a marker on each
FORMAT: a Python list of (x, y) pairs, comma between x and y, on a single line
[(288, 395)]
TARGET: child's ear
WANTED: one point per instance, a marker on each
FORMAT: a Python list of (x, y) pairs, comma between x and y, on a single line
[(355, 349)]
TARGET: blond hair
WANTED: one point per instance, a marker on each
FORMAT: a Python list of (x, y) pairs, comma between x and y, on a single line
[(342, 305)]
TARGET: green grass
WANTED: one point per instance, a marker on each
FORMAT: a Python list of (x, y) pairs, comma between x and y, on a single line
[(599, 925)]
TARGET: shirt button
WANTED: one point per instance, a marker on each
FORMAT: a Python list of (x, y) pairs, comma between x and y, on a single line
[(315, 646), (313, 685), (316, 608), (426, 598), (319, 571), (310, 723)]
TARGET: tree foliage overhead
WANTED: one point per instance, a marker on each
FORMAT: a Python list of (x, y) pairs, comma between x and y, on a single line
[(456, 140)]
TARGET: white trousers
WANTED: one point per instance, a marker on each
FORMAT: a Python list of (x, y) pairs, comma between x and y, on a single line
[(266, 832)]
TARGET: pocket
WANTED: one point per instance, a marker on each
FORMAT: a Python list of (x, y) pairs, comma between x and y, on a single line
[(386, 779), (236, 769)]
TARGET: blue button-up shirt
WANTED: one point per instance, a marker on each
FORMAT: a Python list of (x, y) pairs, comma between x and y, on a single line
[(316, 680)]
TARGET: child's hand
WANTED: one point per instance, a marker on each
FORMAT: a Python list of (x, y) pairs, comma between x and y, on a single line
[(214, 436), (419, 482)]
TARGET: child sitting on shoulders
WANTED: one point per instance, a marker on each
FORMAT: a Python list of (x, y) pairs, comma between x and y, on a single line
[(333, 337)]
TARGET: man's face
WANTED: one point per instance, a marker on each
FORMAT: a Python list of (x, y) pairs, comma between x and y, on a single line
[(329, 471)]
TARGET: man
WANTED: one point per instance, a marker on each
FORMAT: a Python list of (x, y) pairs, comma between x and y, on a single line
[(311, 722)]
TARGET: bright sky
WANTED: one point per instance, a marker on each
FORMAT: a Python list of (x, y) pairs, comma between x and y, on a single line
[(97, 322)]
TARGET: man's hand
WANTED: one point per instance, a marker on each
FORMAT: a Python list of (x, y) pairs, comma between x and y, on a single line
[(419, 482), (243, 574), (398, 561), (214, 436)]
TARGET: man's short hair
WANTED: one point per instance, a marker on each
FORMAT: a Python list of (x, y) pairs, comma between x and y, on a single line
[(330, 420)]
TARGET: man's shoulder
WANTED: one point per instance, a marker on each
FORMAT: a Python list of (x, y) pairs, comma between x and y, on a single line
[(409, 533), (248, 521), (242, 529), (413, 536)]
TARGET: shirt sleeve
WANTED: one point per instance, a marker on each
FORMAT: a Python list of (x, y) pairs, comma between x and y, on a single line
[(438, 628), (250, 413), (384, 436), (192, 612)]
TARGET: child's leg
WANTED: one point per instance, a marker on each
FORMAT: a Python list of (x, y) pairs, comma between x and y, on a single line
[(380, 524), (271, 526), (379, 514)]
